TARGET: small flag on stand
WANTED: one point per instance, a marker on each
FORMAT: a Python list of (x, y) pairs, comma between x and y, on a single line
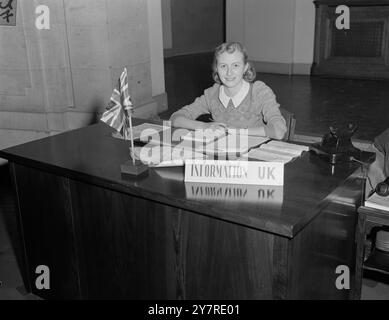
[(119, 107), (119, 110)]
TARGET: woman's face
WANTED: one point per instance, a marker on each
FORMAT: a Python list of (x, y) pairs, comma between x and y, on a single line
[(230, 68)]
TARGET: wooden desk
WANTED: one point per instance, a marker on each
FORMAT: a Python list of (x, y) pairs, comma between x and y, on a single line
[(368, 257), (155, 237)]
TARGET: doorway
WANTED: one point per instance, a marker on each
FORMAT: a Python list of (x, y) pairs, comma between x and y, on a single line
[(191, 31)]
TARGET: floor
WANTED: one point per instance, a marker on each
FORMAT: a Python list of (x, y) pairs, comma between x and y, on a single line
[(316, 102)]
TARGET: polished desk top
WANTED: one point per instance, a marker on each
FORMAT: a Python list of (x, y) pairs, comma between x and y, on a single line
[(91, 155), (374, 212)]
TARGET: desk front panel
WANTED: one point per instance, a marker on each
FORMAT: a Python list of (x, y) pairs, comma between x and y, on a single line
[(100, 243), (103, 244)]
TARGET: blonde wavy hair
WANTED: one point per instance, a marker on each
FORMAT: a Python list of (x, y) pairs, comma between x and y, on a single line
[(231, 47)]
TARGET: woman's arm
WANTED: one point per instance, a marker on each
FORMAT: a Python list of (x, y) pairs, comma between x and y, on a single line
[(257, 131), (261, 132), (276, 128), (187, 115), (186, 123), (275, 124)]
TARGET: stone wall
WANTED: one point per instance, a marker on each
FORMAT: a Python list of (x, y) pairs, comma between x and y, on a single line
[(62, 78)]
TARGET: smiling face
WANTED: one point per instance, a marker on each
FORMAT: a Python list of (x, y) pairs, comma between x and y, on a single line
[(231, 68)]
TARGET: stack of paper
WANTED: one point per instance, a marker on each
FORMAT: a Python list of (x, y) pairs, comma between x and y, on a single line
[(284, 147), (277, 151), (164, 156), (265, 155), (170, 173), (378, 202), (204, 136)]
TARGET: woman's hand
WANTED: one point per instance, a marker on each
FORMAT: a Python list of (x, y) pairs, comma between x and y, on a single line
[(214, 126)]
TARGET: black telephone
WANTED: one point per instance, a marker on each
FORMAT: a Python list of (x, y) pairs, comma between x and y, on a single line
[(336, 145), (382, 188)]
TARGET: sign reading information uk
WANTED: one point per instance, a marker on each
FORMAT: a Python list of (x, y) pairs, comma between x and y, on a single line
[(239, 172)]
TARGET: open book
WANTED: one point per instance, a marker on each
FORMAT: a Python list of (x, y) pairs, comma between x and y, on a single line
[(238, 144), (378, 202), (204, 136), (277, 151), (269, 156), (284, 147)]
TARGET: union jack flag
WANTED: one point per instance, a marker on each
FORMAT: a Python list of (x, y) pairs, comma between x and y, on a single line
[(119, 107)]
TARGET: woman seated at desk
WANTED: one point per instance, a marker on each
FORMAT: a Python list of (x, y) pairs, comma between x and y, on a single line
[(235, 100)]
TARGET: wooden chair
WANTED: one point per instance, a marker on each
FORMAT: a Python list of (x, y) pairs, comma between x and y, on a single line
[(289, 118), (290, 124)]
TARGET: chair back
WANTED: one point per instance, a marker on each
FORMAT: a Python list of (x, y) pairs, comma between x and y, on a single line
[(290, 124)]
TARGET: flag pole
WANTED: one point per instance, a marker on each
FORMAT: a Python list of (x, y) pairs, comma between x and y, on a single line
[(132, 139)]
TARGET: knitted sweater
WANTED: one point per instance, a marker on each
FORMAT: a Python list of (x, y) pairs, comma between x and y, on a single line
[(259, 108)]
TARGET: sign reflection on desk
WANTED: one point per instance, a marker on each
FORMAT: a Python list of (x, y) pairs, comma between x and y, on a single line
[(233, 192)]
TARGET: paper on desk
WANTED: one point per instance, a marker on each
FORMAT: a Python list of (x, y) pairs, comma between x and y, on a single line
[(170, 173), (176, 162), (234, 144), (256, 141), (157, 140), (284, 148), (149, 129), (241, 137), (165, 156), (282, 151), (378, 202), (287, 145), (266, 155), (204, 136)]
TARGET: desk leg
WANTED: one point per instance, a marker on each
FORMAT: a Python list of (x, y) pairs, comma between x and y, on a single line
[(360, 235), (21, 254)]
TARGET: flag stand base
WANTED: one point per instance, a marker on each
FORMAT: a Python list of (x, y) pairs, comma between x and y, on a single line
[(134, 169)]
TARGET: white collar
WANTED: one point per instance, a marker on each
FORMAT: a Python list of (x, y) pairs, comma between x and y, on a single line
[(236, 99)]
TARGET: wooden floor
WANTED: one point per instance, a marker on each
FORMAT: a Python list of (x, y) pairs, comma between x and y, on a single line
[(316, 102)]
